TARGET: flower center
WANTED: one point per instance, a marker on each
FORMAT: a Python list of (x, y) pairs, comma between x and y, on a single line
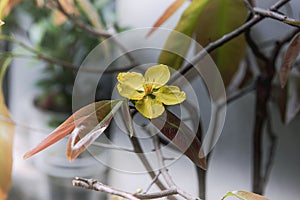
[(148, 88)]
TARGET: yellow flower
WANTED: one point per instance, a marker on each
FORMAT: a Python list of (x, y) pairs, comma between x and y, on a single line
[(149, 92)]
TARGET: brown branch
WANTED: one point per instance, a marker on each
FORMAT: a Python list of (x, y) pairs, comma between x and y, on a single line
[(276, 16), (271, 155), (92, 184), (83, 25), (263, 93), (166, 174), (226, 38), (139, 151), (96, 32)]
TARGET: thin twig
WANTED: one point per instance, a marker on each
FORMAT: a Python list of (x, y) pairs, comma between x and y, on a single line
[(152, 182), (271, 156), (110, 146), (83, 25), (41, 56), (166, 174), (224, 39), (93, 184), (140, 153), (97, 32), (276, 16)]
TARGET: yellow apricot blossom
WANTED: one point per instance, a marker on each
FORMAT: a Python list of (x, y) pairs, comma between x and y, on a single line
[(149, 92)]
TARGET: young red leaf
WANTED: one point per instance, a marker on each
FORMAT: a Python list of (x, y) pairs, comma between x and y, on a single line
[(243, 195), (289, 59), (87, 131), (166, 15), (88, 116), (182, 136)]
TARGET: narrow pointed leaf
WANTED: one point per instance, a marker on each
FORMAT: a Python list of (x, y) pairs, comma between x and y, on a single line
[(89, 129), (217, 19), (6, 137), (243, 195), (127, 118), (186, 25), (288, 99), (88, 114), (293, 99), (289, 59), (166, 15), (182, 136)]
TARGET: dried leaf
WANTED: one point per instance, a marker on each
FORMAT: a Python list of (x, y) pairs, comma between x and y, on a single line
[(217, 19), (289, 59), (182, 136), (186, 25), (6, 137), (243, 195), (81, 123), (166, 15), (87, 131)]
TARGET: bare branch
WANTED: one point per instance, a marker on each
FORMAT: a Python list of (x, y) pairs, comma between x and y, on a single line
[(227, 37), (82, 25), (276, 16), (166, 174), (139, 151), (96, 32), (93, 184)]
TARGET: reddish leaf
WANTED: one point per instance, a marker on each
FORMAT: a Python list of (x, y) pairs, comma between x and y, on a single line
[(166, 15), (243, 195), (80, 124), (182, 136), (87, 131), (289, 59), (288, 99)]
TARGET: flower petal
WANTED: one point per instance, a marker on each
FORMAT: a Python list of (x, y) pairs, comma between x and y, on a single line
[(132, 79), (129, 92), (157, 75), (170, 95), (150, 108)]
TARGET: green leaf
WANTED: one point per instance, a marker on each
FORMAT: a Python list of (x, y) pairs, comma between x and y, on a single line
[(243, 195), (175, 43), (85, 125), (6, 136), (217, 19), (182, 136), (289, 59)]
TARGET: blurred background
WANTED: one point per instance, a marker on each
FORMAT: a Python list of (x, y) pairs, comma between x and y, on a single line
[(39, 98)]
